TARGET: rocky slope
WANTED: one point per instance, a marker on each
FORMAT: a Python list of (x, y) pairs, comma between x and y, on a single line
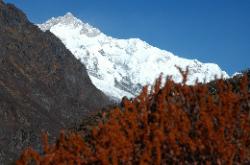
[(42, 85), (120, 67)]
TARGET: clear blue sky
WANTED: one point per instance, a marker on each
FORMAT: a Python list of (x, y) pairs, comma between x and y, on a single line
[(209, 30)]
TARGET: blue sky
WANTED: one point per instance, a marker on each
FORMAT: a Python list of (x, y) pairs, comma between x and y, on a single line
[(209, 30)]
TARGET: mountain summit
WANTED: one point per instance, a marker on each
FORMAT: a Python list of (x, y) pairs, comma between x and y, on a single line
[(120, 67), (70, 20)]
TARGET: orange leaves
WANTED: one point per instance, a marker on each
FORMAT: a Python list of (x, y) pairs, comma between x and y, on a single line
[(176, 124), (28, 156)]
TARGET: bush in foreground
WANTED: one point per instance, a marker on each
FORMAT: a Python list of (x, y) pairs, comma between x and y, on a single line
[(174, 124)]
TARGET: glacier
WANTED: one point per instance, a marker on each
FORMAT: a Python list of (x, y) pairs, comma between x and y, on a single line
[(121, 67)]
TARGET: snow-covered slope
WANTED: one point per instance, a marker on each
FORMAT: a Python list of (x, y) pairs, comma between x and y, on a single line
[(120, 67)]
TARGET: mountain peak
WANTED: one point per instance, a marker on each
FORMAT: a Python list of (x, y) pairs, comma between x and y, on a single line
[(69, 14), (70, 21), (120, 67), (68, 18)]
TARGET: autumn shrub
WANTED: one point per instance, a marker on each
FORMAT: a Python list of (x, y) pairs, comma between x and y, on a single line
[(175, 124)]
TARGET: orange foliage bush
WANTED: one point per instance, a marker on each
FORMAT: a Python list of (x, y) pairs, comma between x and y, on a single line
[(176, 124)]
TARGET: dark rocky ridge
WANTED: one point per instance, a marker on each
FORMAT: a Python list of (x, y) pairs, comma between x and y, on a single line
[(42, 85)]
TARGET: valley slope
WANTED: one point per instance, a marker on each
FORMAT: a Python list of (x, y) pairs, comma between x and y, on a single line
[(43, 87)]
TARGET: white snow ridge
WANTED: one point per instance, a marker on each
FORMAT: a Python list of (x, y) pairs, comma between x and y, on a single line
[(121, 67)]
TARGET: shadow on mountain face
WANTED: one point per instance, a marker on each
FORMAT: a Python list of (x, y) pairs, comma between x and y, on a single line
[(42, 86)]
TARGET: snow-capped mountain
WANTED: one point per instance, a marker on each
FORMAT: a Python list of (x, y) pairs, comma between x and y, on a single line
[(120, 67)]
